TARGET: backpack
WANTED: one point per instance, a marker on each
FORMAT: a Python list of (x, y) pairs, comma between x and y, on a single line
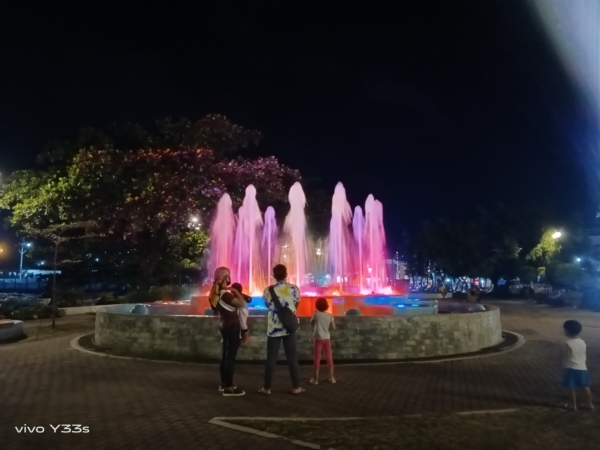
[(286, 315)]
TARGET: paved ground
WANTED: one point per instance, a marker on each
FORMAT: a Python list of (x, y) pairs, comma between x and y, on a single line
[(139, 404)]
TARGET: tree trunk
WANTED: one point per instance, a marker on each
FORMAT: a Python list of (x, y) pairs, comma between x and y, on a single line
[(54, 286)]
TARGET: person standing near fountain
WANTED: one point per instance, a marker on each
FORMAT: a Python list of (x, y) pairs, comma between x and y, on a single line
[(229, 301), (322, 322), (289, 297), (214, 295)]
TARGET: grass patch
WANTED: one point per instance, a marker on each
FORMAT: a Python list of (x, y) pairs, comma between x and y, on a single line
[(526, 429)]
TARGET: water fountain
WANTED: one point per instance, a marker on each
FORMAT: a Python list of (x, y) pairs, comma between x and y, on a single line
[(356, 277), (356, 285)]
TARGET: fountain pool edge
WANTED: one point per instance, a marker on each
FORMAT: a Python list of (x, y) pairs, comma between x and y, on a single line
[(356, 338)]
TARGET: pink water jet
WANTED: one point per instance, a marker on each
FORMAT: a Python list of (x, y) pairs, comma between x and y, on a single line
[(375, 244), (251, 246), (358, 230), (339, 240), (270, 245), (295, 227), (246, 252), (222, 234)]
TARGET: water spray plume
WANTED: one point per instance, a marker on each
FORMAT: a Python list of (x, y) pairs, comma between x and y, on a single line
[(295, 227), (341, 215), (269, 237), (251, 246), (246, 239), (358, 229), (222, 234)]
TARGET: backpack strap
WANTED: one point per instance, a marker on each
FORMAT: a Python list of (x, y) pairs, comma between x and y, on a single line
[(224, 305), (275, 299)]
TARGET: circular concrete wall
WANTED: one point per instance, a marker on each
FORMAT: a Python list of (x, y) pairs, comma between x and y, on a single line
[(356, 337), (11, 330)]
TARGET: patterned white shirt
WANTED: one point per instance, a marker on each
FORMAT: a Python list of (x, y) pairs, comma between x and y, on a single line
[(289, 295)]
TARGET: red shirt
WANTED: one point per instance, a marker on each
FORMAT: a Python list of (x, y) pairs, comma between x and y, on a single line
[(227, 312)]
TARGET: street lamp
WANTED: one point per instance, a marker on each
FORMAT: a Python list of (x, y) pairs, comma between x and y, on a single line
[(23, 246), (578, 259), (556, 235), (194, 223)]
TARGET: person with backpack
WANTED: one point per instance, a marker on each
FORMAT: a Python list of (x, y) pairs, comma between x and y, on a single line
[(281, 299)]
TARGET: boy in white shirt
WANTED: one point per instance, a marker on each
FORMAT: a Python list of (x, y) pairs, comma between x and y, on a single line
[(575, 374)]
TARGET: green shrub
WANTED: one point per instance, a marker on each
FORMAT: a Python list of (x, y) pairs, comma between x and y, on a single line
[(69, 297), (572, 298), (165, 293), (565, 274), (45, 312), (107, 300), (6, 311), (24, 313), (34, 311), (591, 299), (173, 293)]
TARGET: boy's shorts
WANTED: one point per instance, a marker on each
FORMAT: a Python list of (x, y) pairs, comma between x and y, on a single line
[(573, 378)]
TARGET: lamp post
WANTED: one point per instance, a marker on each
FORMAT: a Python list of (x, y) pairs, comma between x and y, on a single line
[(23, 246), (556, 235), (194, 223)]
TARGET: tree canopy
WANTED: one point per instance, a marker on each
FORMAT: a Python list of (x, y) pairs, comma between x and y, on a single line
[(142, 187), (495, 243)]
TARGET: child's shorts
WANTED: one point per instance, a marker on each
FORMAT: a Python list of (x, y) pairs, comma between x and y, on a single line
[(573, 378)]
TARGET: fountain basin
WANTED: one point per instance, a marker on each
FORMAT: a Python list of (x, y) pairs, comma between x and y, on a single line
[(389, 337), (11, 330)]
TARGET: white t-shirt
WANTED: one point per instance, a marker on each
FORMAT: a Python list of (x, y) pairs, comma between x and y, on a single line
[(321, 326), (575, 354)]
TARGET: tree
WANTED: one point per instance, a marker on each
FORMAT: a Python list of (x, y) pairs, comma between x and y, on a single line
[(141, 187), (527, 273), (545, 251), (36, 201), (565, 274), (485, 245), (59, 234), (148, 196), (214, 132)]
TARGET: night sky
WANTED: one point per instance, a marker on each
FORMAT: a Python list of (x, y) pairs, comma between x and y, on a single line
[(435, 107)]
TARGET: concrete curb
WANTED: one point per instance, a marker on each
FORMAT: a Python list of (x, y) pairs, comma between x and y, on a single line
[(75, 346), (224, 422), (520, 342)]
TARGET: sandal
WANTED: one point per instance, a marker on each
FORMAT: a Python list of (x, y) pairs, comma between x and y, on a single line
[(263, 391), (301, 391), (313, 381), (331, 380)]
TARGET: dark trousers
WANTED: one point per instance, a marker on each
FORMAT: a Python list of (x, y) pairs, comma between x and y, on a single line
[(231, 344), (289, 346)]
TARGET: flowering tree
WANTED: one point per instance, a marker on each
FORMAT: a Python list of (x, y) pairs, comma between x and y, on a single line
[(143, 197)]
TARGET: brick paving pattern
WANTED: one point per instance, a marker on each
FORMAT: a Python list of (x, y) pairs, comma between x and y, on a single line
[(142, 404)]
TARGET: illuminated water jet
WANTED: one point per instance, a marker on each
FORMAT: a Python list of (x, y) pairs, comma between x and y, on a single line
[(354, 257)]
